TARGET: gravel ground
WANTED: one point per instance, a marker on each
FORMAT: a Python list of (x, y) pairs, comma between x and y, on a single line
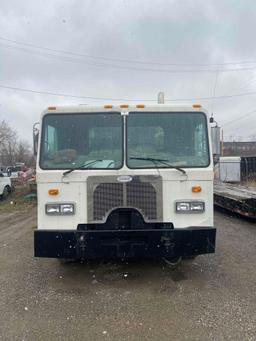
[(210, 298)]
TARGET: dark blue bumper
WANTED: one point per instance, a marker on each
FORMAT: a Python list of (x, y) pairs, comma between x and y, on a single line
[(149, 242)]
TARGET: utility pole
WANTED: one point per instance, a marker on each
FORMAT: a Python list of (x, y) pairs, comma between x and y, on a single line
[(222, 146)]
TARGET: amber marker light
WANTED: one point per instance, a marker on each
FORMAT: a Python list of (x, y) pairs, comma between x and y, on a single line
[(196, 189), (196, 106), (108, 106), (140, 106), (52, 108), (53, 191), (124, 106)]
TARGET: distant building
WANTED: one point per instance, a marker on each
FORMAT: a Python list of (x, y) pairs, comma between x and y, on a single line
[(239, 148)]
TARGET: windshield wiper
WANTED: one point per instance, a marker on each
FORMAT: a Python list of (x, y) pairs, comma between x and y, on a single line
[(163, 161), (85, 165)]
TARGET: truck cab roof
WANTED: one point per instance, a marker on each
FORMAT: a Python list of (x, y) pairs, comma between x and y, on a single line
[(58, 109)]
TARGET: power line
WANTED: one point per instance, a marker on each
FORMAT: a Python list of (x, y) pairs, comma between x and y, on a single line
[(133, 100), (67, 95), (214, 97), (125, 99), (134, 68), (58, 57), (239, 118), (146, 69), (248, 83), (121, 60)]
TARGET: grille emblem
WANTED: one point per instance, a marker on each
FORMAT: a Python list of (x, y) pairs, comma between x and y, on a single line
[(124, 178)]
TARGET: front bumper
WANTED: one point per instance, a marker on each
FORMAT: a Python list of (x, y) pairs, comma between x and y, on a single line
[(149, 242)]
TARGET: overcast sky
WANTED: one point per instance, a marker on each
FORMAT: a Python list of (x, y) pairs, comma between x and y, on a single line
[(168, 39)]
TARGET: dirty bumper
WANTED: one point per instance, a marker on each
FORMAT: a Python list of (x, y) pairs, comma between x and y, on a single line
[(150, 242)]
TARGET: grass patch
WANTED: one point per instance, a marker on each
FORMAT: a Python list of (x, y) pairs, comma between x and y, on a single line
[(16, 202)]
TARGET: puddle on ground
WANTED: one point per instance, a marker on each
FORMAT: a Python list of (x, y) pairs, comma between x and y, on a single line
[(116, 275), (176, 275)]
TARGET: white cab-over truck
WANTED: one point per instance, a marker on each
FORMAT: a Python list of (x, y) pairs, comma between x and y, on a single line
[(124, 181)]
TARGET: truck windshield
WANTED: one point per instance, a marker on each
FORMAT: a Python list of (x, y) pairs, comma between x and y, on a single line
[(181, 138), (71, 141)]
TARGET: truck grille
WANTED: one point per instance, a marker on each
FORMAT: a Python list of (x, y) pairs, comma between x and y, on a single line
[(105, 197), (143, 196), (143, 193)]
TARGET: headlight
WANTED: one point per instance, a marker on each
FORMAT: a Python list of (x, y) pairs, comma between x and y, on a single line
[(59, 209), (52, 209), (67, 209), (190, 207), (182, 206), (197, 206)]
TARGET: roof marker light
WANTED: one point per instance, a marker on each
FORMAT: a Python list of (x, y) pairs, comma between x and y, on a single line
[(124, 106), (108, 106), (140, 106), (52, 108), (196, 106)]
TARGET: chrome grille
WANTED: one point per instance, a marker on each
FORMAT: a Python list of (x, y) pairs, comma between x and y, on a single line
[(143, 193), (105, 197)]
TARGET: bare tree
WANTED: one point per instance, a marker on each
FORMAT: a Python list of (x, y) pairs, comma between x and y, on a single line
[(12, 149), (8, 139), (6, 133), (24, 153)]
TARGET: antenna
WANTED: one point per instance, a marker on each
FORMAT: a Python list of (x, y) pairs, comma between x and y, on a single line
[(160, 98)]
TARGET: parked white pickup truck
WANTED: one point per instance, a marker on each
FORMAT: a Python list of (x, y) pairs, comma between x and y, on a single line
[(5, 186)]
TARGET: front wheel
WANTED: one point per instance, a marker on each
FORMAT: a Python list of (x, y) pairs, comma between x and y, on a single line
[(172, 262)]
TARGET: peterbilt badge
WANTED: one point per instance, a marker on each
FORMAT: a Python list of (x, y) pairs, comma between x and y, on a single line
[(124, 178)]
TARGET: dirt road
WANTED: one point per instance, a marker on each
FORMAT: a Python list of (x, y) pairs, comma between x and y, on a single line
[(211, 298)]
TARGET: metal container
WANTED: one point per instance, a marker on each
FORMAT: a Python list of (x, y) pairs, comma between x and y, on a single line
[(230, 169)]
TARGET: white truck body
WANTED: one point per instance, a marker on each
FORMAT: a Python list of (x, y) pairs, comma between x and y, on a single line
[(74, 188)]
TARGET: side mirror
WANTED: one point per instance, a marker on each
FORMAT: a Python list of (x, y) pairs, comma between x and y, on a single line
[(35, 137), (215, 134)]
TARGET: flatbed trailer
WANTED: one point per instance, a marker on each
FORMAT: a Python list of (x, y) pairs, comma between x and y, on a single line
[(236, 198)]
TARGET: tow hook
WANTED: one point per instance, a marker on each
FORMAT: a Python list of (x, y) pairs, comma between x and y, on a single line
[(167, 242), (82, 244)]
